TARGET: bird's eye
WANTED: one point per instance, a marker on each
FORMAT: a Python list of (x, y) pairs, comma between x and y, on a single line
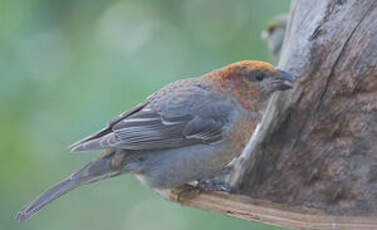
[(259, 76), (271, 29)]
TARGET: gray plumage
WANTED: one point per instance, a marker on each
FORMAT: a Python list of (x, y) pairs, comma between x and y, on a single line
[(168, 119), (161, 140), (189, 130)]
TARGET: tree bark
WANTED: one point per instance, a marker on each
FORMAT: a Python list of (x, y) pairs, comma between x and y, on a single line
[(313, 162)]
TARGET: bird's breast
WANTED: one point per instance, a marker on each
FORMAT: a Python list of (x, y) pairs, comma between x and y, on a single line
[(240, 132)]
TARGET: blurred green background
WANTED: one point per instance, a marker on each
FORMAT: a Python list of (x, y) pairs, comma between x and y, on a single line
[(68, 67)]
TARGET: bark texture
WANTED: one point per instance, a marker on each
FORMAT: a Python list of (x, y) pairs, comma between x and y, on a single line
[(316, 150), (321, 151)]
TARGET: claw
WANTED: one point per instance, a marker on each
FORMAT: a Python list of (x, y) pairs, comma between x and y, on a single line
[(188, 191), (213, 185)]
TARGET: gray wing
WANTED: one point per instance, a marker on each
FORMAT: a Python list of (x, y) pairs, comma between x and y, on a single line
[(169, 119), (108, 129)]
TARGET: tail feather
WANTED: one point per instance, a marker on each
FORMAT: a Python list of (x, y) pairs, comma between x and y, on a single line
[(50, 195), (98, 169)]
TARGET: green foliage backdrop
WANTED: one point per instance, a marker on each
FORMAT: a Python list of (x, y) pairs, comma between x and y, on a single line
[(67, 67)]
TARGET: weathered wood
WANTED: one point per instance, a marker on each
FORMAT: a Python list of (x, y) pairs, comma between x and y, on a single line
[(320, 150), (315, 158), (246, 208)]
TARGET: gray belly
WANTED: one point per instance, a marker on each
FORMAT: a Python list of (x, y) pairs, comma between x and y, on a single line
[(171, 168)]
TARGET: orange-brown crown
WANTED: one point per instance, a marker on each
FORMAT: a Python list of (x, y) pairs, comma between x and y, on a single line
[(234, 79), (240, 69)]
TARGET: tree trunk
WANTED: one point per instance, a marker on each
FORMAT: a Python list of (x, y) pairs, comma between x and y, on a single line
[(313, 162)]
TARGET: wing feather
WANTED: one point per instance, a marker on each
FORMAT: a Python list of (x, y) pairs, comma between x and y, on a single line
[(172, 118)]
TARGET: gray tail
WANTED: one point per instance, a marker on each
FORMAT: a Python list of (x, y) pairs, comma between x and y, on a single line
[(98, 169)]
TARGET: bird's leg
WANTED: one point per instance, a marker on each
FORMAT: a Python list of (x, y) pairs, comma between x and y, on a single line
[(216, 183), (211, 185)]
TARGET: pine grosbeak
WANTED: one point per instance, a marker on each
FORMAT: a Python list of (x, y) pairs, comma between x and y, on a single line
[(187, 131)]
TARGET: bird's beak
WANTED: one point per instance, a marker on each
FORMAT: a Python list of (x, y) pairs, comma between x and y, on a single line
[(286, 80)]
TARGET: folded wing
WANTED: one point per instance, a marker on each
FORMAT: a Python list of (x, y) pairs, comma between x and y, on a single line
[(172, 118)]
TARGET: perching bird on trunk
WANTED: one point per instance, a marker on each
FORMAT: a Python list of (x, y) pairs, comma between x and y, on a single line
[(274, 35), (188, 131)]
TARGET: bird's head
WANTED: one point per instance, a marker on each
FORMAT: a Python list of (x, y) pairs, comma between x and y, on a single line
[(274, 34), (252, 82)]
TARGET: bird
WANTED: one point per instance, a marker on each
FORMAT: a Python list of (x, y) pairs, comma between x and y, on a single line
[(274, 35), (187, 131)]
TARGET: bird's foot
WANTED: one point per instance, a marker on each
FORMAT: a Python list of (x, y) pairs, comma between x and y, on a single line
[(189, 192), (212, 185)]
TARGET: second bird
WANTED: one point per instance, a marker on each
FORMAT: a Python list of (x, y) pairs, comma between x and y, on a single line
[(188, 131)]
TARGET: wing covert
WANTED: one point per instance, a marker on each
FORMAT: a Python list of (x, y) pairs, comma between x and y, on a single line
[(172, 118)]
